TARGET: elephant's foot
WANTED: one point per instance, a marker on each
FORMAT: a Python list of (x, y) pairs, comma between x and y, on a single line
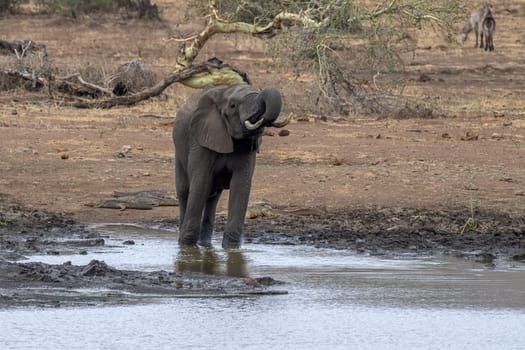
[(187, 240), (206, 243), (205, 239), (231, 240)]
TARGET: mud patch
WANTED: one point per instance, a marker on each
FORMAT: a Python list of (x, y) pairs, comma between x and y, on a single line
[(484, 237), (97, 283), (397, 231), (25, 232)]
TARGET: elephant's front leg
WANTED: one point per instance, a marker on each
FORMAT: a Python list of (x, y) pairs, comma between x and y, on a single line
[(199, 191), (208, 219), (240, 186)]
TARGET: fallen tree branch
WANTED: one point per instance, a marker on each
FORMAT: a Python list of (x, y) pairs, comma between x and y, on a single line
[(82, 87), (36, 82), (212, 67)]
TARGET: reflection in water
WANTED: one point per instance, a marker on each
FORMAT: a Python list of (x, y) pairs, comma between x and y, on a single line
[(206, 260), (336, 300)]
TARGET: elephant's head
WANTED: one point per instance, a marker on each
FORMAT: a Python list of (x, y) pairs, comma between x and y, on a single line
[(225, 114)]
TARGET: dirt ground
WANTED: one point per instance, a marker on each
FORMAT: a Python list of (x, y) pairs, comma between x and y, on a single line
[(452, 182)]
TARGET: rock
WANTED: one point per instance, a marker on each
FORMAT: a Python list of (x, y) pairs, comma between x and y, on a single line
[(252, 282), (484, 258), (95, 242), (284, 132), (129, 242), (338, 161), (519, 257), (268, 281), (470, 136), (303, 118), (423, 78), (95, 268)]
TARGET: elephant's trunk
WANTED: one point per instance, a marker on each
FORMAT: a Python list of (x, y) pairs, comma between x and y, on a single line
[(269, 106), (269, 100)]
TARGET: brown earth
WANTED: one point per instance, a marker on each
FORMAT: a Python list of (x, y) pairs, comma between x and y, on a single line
[(459, 175)]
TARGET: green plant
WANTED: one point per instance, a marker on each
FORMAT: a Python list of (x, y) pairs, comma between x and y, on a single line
[(471, 224)]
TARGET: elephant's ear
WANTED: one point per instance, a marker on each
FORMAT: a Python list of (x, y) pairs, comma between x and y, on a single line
[(209, 129)]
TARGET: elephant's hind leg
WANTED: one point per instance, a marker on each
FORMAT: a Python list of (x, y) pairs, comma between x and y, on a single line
[(182, 189)]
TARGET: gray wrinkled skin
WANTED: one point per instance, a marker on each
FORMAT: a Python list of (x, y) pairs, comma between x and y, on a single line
[(214, 151)]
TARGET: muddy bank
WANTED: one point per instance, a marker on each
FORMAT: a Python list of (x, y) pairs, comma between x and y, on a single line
[(25, 232), (481, 235), (484, 237), (97, 283)]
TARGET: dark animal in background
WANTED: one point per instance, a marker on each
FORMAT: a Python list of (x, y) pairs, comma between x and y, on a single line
[(217, 134), (483, 24), (488, 29)]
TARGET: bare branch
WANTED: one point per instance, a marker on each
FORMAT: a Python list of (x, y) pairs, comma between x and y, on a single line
[(102, 90), (36, 82), (211, 67), (192, 46)]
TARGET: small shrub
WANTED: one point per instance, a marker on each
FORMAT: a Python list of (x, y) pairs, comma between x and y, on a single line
[(83, 6), (131, 77), (9, 5), (143, 8)]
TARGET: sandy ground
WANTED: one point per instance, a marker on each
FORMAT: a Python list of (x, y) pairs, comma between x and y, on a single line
[(455, 182)]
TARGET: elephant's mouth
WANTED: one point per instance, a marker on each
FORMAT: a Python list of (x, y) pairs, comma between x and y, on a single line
[(255, 121), (268, 104)]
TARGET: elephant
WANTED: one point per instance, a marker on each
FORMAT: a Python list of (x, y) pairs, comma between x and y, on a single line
[(217, 134)]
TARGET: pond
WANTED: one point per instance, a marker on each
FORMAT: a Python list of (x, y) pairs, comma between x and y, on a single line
[(336, 300)]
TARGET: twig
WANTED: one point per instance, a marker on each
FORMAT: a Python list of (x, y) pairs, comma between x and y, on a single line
[(36, 82), (23, 49)]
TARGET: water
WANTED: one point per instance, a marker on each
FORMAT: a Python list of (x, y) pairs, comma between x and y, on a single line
[(336, 300)]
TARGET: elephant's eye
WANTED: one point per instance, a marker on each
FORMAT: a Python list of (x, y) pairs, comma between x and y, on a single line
[(232, 105)]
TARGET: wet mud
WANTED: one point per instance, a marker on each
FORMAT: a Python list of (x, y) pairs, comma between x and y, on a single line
[(25, 232), (484, 237), (97, 283)]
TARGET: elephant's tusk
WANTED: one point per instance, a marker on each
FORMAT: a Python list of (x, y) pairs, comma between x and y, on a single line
[(251, 126), (283, 123)]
